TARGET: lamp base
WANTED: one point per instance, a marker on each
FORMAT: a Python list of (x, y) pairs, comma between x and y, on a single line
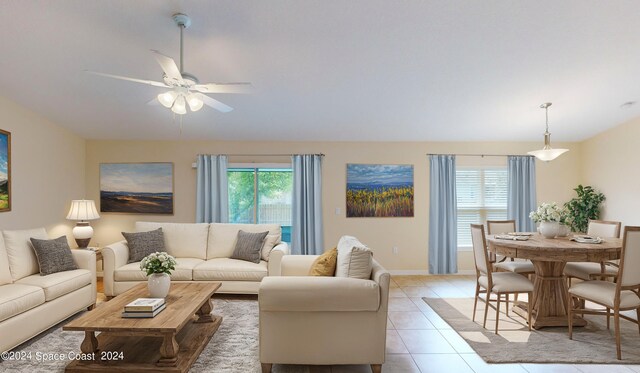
[(82, 232)]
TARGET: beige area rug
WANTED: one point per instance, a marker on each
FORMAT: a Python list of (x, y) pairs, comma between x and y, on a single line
[(515, 344)]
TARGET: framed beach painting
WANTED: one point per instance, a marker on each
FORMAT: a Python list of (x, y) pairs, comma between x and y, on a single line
[(136, 188), (5, 171), (379, 190)]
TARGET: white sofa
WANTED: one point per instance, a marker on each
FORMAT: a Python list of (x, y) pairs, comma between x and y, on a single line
[(202, 252), (322, 320), (30, 303)]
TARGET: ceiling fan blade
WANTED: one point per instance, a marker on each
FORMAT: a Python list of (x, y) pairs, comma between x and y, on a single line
[(169, 67), (215, 104), (237, 87), (149, 82)]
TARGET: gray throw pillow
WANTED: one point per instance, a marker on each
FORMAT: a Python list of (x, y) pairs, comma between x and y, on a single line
[(53, 255), (249, 246), (142, 244)]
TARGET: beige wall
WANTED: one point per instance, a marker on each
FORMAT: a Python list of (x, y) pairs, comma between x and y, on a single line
[(47, 165), (611, 164), (410, 235)]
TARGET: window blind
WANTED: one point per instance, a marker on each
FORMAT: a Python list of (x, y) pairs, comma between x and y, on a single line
[(481, 196)]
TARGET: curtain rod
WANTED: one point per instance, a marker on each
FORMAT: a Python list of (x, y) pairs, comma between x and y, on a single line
[(269, 155), (485, 155)]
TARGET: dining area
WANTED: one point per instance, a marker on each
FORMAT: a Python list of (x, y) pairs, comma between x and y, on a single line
[(558, 281)]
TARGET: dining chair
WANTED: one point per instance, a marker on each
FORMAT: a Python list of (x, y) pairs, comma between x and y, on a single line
[(589, 270), (523, 267), (498, 283), (624, 295)]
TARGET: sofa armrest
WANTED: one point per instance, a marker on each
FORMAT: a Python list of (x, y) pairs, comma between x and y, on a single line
[(86, 259), (114, 256), (275, 258), (317, 294), (296, 265)]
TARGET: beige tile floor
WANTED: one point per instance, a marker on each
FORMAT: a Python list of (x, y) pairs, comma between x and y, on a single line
[(418, 340)]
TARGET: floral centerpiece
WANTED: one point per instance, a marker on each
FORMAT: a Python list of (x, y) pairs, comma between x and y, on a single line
[(158, 267), (554, 220)]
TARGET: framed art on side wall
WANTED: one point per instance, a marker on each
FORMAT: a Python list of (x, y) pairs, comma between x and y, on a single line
[(5, 171), (379, 190), (136, 188)]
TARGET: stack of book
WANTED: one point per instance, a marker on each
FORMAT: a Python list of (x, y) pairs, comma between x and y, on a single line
[(144, 308)]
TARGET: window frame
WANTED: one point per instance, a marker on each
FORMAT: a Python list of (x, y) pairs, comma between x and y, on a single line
[(483, 212), (255, 168)]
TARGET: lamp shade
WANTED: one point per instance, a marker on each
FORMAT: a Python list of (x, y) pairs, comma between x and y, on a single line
[(547, 155), (83, 209)]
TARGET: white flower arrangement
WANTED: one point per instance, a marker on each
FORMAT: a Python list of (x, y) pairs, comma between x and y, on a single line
[(547, 212), (158, 262)]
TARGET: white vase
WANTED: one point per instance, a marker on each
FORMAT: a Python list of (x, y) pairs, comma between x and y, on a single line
[(563, 230), (549, 229), (158, 284)]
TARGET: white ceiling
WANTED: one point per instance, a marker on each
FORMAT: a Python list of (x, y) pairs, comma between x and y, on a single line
[(331, 69)]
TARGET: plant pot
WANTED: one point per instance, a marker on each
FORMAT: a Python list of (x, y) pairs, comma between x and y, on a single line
[(549, 229), (158, 284), (563, 230)]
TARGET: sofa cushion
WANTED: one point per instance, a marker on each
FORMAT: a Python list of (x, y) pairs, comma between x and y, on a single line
[(222, 237), (325, 264), (59, 284), (225, 269), (5, 272), (318, 294), (183, 271), (249, 246), (16, 299), (142, 244), (22, 258), (53, 255), (182, 240), (355, 259)]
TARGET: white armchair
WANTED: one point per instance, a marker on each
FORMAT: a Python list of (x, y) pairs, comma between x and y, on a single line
[(322, 320)]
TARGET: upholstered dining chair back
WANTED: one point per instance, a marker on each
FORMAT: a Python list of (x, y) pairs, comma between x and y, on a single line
[(604, 229), (628, 274), (480, 249), (501, 226)]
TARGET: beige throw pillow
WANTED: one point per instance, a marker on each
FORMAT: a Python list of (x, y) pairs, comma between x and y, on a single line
[(355, 259), (269, 242)]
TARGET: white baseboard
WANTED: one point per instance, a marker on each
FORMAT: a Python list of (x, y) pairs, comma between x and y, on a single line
[(425, 272)]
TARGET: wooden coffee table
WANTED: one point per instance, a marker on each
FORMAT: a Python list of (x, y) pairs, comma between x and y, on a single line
[(169, 342)]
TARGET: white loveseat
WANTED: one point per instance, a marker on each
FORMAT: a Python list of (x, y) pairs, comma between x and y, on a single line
[(202, 252), (30, 303), (322, 320)]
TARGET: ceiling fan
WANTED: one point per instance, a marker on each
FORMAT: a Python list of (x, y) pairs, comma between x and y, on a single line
[(185, 89)]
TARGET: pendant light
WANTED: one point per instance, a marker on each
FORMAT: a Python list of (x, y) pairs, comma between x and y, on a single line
[(547, 153)]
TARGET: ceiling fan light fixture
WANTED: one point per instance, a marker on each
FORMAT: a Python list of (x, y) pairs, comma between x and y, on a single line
[(179, 106), (195, 102), (547, 153), (167, 99)]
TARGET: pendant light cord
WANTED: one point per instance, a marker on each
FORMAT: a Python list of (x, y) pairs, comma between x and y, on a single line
[(546, 115)]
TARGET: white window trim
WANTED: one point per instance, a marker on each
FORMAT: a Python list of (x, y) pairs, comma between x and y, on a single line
[(477, 167), (284, 166)]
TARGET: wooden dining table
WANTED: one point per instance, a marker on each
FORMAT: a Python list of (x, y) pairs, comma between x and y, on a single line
[(549, 255)]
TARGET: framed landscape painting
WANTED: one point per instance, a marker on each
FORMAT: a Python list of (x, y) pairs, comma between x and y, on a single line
[(136, 188), (5, 171), (378, 190)]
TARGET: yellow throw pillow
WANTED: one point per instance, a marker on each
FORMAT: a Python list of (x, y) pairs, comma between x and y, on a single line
[(325, 264)]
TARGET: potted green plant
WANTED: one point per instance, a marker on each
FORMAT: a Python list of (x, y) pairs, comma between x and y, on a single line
[(584, 207), (158, 267)]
